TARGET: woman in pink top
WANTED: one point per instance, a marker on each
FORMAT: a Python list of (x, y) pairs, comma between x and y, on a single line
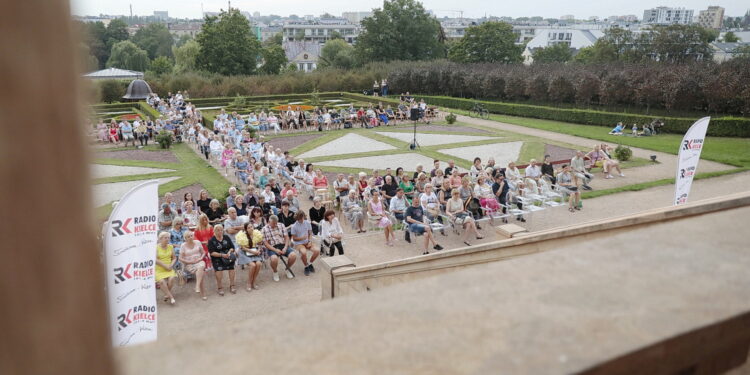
[(320, 181), (375, 211), (227, 155)]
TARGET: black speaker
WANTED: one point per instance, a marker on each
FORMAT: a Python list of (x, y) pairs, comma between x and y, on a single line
[(414, 114)]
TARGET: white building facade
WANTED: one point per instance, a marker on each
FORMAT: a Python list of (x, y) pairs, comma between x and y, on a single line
[(668, 16)]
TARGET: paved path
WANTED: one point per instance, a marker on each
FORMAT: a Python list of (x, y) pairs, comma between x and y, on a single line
[(664, 169), (368, 249)]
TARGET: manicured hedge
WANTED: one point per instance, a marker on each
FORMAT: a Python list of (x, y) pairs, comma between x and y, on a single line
[(148, 110), (719, 126)]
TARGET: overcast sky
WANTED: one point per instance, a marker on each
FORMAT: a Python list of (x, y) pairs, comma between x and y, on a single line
[(472, 8)]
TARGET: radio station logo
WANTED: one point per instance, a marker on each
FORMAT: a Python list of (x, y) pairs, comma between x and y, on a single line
[(135, 315), (682, 199), (134, 271), (692, 144), (687, 172), (134, 225)]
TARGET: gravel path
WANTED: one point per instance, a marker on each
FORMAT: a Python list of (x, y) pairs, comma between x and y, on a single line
[(664, 169), (160, 156), (557, 152), (288, 143)]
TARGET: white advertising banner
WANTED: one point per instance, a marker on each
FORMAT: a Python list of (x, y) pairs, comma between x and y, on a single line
[(687, 159), (130, 247)]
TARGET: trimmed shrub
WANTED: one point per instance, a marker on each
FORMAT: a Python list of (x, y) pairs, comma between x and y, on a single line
[(623, 153), (450, 119), (164, 138)]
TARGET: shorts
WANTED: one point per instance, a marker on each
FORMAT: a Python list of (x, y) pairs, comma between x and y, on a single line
[(288, 252), (417, 228), (127, 136), (297, 243)]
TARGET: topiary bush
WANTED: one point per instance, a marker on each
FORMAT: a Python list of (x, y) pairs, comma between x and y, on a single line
[(623, 153), (164, 138), (450, 118)]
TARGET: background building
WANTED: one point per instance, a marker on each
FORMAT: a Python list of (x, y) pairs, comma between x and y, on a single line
[(303, 54), (161, 15), (667, 16), (321, 30), (711, 18), (355, 17)]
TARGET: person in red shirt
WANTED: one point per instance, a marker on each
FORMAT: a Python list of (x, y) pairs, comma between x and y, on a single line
[(203, 233), (320, 181)]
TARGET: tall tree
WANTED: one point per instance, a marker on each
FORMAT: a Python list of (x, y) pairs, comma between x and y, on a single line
[(401, 30), (185, 56), (161, 65), (155, 39), (559, 52), (601, 52), (126, 55), (95, 37), (274, 59), (488, 42), (227, 45), (117, 31), (678, 43), (730, 37), (336, 53)]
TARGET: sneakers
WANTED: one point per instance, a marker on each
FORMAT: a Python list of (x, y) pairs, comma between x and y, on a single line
[(437, 247), (289, 274), (586, 187), (276, 276), (407, 237), (622, 175), (312, 268), (307, 271), (609, 176)]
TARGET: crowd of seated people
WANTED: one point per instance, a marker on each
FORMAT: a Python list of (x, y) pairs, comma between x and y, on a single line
[(262, 220)]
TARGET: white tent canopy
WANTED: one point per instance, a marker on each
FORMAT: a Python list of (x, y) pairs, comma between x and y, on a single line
[(114, 73)]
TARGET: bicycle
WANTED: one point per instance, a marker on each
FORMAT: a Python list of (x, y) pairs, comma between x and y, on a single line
[(479, 111)]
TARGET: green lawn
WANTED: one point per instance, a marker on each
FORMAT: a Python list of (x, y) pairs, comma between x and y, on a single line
[(732, 151), (192, 169)]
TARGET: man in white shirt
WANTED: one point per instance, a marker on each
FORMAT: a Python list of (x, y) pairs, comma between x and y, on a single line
[(533, 170), (398, 204), (431, 205), (578, 166)]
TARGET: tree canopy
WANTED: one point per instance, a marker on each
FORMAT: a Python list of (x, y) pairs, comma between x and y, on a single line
[(337, 53), (227, 45), (401, 30), (559, 52), (274, 59), (126, 55), (185, 56), (154, 39), (488, 42), (161, 65)]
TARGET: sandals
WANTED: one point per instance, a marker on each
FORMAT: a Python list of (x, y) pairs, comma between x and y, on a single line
[(221, 291), (571, 209), (480, 237), (232, 289)]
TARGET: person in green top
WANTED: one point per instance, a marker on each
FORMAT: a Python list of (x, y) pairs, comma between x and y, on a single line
[(407, 186)]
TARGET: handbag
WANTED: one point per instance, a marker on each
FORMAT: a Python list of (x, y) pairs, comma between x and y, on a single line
[(230, 260), (472, 204)]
